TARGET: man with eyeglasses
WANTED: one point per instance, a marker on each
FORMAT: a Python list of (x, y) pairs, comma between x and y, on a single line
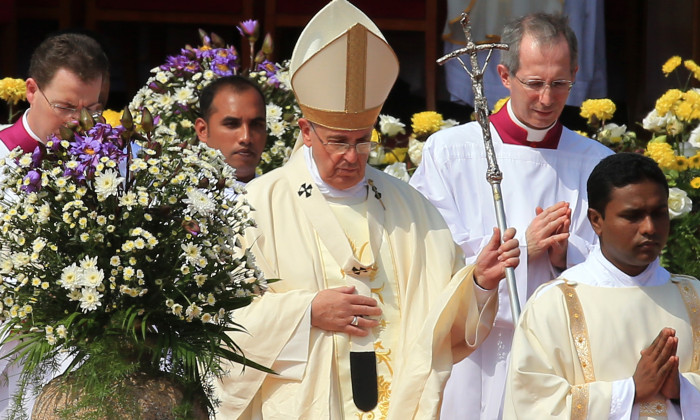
[(373, 302), (66, 74), (545, 167)]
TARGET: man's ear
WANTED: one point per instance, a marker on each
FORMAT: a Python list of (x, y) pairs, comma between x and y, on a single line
[(200, 127), (32, 88), (504, 74), (596, 220), (305, 127)]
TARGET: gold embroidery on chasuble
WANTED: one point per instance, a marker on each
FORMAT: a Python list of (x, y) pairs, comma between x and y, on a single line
[(692, 305), (582, 343), (382, 285), (653, 408)]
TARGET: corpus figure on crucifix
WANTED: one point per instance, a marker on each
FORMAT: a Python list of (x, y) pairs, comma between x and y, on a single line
[(544, 171)]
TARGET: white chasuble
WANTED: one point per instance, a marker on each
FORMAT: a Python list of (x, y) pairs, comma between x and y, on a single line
[(381, 285), (578, 344), (433, 311)]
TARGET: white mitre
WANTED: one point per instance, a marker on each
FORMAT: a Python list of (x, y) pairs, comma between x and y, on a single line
[(342, 68)]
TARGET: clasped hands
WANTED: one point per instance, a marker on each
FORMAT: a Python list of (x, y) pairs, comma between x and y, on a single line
[(657, 369), (549, 232), (342, 310)]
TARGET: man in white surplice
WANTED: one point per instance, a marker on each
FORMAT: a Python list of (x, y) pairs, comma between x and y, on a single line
[(367, 265), (545, 167), (615, 337), (488, 18)]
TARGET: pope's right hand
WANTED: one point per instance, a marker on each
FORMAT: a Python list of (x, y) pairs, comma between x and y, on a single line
[(335, 309)]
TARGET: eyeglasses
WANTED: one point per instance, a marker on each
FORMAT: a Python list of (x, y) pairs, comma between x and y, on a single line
[(337, 148), (556, 86), (68, 112)]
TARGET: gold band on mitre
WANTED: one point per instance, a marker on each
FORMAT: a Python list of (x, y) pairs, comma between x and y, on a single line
[(342, 120), (342, 68)]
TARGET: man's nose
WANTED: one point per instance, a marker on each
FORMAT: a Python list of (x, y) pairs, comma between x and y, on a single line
[(546, 95), (351, 155), (244, 134), (647, 227)]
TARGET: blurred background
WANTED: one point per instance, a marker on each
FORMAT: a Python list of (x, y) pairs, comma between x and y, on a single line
[(638, 37)]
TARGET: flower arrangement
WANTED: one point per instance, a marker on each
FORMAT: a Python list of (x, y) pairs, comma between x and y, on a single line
[(675, 146), (12, 91), (396, 145), (172, 91), (119, 250), (597, 112)]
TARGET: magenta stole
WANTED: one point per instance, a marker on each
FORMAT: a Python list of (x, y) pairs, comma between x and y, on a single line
[(511, 133), (16, 135)]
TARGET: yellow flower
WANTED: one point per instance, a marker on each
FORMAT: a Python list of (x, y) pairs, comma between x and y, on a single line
[(671, 65), (693, 67), (695, 182), (601, 109), (397, 154), (689, 107), (375, 136), (112, 118), (668, 101), (499, 104), (662, 153), (682, 163), (13, 90), (426, 123), (694, 161)]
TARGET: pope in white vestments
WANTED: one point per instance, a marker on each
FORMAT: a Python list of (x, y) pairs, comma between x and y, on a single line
[(329, 226), (577, 348), (545, 166)]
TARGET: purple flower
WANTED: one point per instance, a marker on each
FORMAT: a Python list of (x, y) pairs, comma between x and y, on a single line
[(55, 143), (38, 155), (31, 182), (249, 29), (77, 173), (270, 70), (181, 63), (87, 149), (225, 62)]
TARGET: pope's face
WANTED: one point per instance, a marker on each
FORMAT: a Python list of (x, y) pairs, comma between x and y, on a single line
[(635, 226), (339, 170), (236, 127), (52, 105), (539, 108)]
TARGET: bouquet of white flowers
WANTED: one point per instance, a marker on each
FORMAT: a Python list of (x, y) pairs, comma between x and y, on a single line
[(119, 249)]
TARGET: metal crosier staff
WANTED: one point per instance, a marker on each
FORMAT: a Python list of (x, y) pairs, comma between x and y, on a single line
[(493, 174)]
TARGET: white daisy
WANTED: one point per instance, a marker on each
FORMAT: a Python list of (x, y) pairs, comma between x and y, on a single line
[(90, 300), (199, 202), (108, 182)]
